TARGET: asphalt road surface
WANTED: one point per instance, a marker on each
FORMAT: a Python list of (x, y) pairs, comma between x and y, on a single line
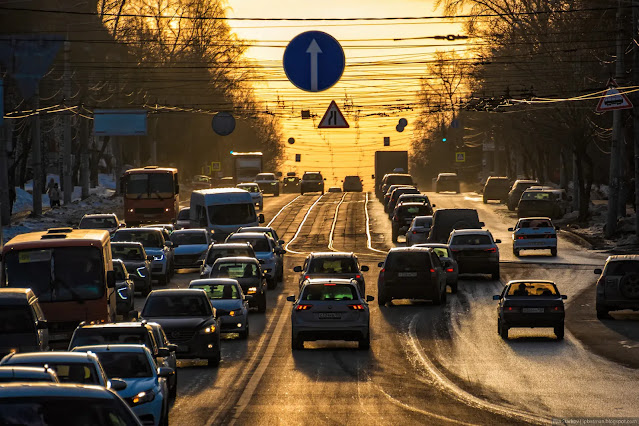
[(427, 364)]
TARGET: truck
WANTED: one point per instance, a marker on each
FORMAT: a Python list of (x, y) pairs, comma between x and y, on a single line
[(246, 165), (389, 162)]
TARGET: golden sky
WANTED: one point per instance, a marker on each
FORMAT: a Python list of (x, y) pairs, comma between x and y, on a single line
[(380, 81)]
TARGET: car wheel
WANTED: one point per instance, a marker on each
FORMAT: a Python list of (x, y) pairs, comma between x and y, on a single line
[(164, 279), (296, 343), (453, 288), (173, 392), (503, 331), (271, 283), (516, 252), (603, 313), (244, 334), (394, 234), (485, 200), (365, 343), (559, 332), (381, 298), (164, 420), (277, 194), (553, 252), (215, 361), (261, 305), (495, 275), (302, 192)]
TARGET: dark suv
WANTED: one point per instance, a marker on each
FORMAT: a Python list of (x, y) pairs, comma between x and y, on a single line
[(248, 272), (352, 184), (517, 189), (312, 182), (411, 273), (447, 182), (404, 215), (332, 264), (445, 220), (618, 285), (137, 263), (496, 188)]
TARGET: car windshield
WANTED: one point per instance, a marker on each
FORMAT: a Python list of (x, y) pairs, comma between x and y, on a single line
[(532, 289), (217, 253), (413, 210), (312, 176), (126, 252), (69, 372), (290, 179), (188, 238), (351, 179), (149, 185), (260, 245), (447, 178), (535, 223), (471, 240), (16, 319), (346, 265), (400, 180), (184, 214), (54, 411), (219, 291), (265, 176), (410, 199), (234, 270), (148, 238), (119, 271), (57, 274), (329, 292), (125, 365), (98, 223), (110, 336), (231, 214), (177, 306), (423, 221), (622, 268), (407, 261)]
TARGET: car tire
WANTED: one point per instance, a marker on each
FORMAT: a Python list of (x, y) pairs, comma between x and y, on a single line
[(559, 332), (215, 361), (277, 194), (271, 283), (495, 275), (503, 331), (603, 313), (485, 200), (244, 333), (553, 252), (453, 288), (173, 391), (164, 279), (164, 420), (365, 343), (395, 233), (382, 300), (297, 344), (516, 252), (261, 304)]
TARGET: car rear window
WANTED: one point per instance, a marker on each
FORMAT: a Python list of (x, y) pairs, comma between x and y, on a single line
[(407, 261), (537, 196), (425, 222), (76, 372), (97, 223), (111, 335), (188, 238), (258, 244), (312, 176), (177, 306), (234, 270), (471, 240), (125, 365), (333, 266), (622, 268), (447, 178), (290, 179), (535, 223), (532, 289), (404, 180), (217, 253), (329, 292), (147, 238), (184, 214), (407, 198), (413, 210)]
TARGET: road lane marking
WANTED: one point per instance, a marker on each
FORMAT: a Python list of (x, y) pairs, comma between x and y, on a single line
[(299, 229), (331, 234), (249, 390), (281, 210), (471, 400), (369, 242)]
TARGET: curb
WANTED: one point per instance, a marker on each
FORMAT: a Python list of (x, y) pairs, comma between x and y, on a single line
[(576, 238)]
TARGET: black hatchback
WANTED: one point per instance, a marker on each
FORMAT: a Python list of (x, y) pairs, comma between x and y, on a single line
[(404, 215)]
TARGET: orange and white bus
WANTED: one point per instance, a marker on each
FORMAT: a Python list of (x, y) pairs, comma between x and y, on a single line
[(71, 273), (151, 195)]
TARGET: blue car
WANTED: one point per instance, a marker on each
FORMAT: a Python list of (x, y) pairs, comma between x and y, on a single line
[(229, 301), (534, 233), (156, 245), (190, 246), (146, 391)]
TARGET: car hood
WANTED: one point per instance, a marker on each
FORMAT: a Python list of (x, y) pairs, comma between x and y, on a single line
[(264, 256), (133, 264), (178, 322), (226, 304), (153, 250), (190, 249), (137, 385)]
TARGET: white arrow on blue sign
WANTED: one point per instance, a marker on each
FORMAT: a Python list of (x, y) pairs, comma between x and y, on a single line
[(314, 61)]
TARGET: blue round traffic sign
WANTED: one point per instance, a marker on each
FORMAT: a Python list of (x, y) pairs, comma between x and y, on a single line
[(223, 123), (314, 61)]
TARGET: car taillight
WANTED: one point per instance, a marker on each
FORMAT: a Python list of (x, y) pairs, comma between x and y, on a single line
[(329, 284), (520, 238), (303, 307), (491, 250), (358, 277), (449, 270), (356, 307), (556, 309), (432, 271), (511, 309), (306, 277), (414, 232), (454, 250)]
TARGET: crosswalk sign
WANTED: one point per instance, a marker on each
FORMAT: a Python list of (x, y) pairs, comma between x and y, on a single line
[(460, 157)]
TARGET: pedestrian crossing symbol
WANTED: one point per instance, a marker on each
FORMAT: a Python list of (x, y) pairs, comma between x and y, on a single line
[(460, 157)]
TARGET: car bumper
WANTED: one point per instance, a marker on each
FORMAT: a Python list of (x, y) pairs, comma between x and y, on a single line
[(341, 331), (419, 291), (269, 188), (229, 324), (617, 305), (535, 243), (418, 238), (199, 346), (312, 187), (533, 320), (477, 265), (158, 268), (150, 412)]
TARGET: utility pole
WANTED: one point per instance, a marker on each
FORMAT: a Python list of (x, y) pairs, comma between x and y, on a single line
[(36, 156), (84, 157), (67, 183), (617, 139), (635, 124), (5, 215)]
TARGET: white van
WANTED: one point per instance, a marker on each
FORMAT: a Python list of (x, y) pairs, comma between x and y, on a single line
[(223, 210)]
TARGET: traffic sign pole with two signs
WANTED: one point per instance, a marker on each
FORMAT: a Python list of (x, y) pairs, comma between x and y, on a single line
[(314, 61)]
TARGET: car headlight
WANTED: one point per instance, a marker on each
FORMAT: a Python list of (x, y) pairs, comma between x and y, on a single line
[(123, 293), (158, 257), (208, 330), (235, 313), (252, 290), (141, 271), (143, 397)]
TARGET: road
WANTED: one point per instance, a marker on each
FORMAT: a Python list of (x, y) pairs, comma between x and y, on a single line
[(426, 364)]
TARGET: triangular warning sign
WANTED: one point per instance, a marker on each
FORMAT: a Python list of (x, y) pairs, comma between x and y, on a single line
[(333, 118), (613, 100)]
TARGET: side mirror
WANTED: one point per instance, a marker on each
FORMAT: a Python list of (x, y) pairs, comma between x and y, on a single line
[(497, 241), (511, 229), (496, 297), (297, 269), (248, 297), (434, 205), (165, 371), (117, 384), (110, 279), (122, 225), (172, 347), (260, 218), (365, 268), (290, 298), (169, 244), (564, 297), (369, 298), (164, 352), (281, 242), (380, 264), (598, 271), (42, 324), (149, 257)]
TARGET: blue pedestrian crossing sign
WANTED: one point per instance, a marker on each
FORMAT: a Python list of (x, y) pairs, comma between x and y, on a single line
[(460, 157), (314, 61)]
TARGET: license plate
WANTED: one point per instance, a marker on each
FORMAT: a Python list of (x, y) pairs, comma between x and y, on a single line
[(533, 310), (183, 348), (406, 274), (329, 315)]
